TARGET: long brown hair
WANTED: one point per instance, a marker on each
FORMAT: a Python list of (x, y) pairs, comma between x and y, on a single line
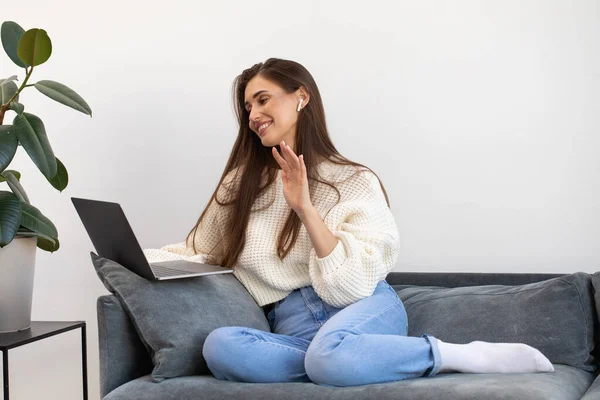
[(249, 158)]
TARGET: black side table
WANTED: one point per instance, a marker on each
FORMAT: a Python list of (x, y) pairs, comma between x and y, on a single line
[(40, 330)]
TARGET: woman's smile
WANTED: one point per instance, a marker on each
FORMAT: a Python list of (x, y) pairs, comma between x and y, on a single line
[(262, 129)]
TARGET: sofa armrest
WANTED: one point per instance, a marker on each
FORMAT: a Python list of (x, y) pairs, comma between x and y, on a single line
[(593, 392), (123, 356)]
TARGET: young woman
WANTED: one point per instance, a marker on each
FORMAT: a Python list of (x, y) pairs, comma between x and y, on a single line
[(311, 237)]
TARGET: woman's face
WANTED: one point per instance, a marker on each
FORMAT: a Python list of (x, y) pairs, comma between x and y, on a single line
[(269, 105)]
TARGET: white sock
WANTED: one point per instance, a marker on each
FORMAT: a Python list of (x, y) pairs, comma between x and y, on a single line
[(486, 357)]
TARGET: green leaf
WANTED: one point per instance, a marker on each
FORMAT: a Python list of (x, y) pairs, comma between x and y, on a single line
[(48, 244), (44, 242), (11, 33), (26, 233), (5, 81), (33, 219), (30, 131), (15, 186), (10, 217), (7, 91), (16, 107), (35, 47), (8, 146), (63, 94), (61, 179), (17, 174)]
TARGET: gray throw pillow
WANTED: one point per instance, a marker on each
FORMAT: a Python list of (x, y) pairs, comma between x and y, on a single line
[(174, 317), (556, 316)]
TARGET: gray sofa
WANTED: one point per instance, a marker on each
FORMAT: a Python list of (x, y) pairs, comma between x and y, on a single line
[(125, 364)]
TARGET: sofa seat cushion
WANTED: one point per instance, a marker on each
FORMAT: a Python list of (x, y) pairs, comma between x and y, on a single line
[(555, 316), (565, 383)]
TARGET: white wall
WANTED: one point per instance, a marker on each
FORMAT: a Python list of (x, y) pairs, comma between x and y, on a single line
[(480, 117)]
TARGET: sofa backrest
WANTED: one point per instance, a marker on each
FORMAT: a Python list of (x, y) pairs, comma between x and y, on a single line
[(556, 315), (126, 357), (460, 279)]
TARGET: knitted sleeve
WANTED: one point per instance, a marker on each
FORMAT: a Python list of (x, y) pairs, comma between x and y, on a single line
[(208, 235), (367, 248)]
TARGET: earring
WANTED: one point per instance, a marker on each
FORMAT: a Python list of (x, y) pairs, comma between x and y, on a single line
[(300, 104)]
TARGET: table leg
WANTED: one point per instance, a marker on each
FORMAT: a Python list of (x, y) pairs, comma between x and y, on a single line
[(84, 362), (5, 372)]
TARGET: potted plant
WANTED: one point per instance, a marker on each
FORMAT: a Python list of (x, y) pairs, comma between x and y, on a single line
[(23, 227)]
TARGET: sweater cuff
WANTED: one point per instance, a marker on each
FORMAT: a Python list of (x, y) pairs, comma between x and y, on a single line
[(331, 262)]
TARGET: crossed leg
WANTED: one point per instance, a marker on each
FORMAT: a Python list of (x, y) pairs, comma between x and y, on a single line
[(366, 343), (242, 354), (362, 343)]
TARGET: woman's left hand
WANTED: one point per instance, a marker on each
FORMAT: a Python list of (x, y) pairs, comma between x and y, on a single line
[(295, 181)]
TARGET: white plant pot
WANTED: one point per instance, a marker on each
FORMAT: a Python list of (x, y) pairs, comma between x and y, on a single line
[(17, 265)]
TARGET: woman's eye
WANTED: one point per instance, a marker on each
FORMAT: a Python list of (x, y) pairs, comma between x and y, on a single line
[(261, 101)]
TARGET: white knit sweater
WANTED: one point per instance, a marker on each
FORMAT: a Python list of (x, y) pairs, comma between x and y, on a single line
[(367, 248)]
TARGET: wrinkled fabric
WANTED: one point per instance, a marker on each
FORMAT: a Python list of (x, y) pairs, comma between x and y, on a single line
[(310, 340)]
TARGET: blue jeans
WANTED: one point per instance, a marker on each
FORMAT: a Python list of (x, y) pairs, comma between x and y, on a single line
[(311, 340)]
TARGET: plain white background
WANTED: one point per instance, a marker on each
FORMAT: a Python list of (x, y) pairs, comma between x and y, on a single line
[(481, 118)]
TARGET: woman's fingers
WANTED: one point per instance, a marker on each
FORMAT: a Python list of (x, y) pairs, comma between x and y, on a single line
[(280, 160), (287, 159), (291, 158)]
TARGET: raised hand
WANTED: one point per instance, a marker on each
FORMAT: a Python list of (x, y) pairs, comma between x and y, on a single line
[(293, 176)]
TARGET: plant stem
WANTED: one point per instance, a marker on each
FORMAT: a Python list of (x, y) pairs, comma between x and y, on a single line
[(4, 107)]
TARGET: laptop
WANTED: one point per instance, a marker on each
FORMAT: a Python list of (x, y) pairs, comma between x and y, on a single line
[(113, 238)]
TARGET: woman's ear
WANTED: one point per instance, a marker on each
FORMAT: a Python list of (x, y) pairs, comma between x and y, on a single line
[(303, 94)]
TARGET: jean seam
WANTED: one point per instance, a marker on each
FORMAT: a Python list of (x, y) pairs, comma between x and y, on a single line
[(312, 310), (435, 352), (375, 316), (276, 344), (399, 300), (401, 304)]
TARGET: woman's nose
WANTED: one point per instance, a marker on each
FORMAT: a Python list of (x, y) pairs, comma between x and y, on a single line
[(253, 115), (253, 122)]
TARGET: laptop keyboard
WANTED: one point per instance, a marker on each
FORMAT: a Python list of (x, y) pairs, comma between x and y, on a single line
[(164, 271)]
